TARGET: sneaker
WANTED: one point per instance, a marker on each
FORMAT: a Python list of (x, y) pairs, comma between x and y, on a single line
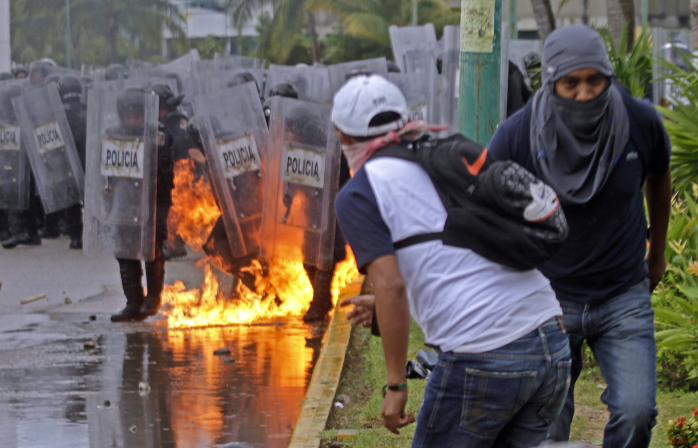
[(21, 238)]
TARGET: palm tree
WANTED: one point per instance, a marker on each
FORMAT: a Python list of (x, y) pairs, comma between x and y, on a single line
[(290, 23), (621, 13), (545, 19), (370, 19), (141, 22), (294, 21), (36, 29)]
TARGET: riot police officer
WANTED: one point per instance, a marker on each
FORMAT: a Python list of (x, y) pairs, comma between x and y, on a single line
[(20, 72), (70, 91), (130, 108), (176, 127)]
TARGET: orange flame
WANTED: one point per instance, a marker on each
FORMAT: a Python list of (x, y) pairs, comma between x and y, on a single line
[(194, 211), (282, 289)]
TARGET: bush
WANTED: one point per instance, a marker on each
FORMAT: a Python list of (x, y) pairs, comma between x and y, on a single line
[(683, 432)]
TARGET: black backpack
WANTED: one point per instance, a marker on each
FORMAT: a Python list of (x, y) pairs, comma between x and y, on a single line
[(499, 210)]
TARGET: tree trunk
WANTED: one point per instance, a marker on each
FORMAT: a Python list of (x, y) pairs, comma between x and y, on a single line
[(694, 24), (312, 33), (619, 13), (545, 19)]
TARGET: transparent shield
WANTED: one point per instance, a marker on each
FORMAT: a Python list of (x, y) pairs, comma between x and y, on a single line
[(235, 140), (312, 83), (49, 144), (407, 38), (15, 173), (301, 184), (339, 73), (120, 181)]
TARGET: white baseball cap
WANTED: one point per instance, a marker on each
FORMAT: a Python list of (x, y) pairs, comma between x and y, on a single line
[(361, 99)]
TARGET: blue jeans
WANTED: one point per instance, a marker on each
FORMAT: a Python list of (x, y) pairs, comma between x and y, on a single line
[(620, 333), (505, 397)]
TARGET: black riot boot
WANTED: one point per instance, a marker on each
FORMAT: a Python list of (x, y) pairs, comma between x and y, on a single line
[(322, 296), (131, 273), (155, 275)]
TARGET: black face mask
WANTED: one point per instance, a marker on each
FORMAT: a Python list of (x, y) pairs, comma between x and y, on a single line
[(583, 119)]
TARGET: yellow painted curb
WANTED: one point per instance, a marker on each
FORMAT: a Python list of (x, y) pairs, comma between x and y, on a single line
[(323, 384)]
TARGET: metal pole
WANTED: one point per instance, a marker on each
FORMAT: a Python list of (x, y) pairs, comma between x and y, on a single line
[(644, 13), (513, 19), (5, 51), (480, 47), (68, 41), (414, 12)]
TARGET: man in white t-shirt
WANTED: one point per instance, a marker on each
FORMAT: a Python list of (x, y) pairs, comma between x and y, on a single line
[(503, 368)]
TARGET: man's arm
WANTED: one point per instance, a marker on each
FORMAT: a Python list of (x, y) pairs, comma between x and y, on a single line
[(658, 195), (393, 316)]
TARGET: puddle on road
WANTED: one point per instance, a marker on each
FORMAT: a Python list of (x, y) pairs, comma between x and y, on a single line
[(165, 389)]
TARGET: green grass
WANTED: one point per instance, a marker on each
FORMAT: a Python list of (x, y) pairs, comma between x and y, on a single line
[(364, 374)]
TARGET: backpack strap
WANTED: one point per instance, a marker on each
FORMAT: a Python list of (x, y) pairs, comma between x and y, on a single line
[(409, 154)]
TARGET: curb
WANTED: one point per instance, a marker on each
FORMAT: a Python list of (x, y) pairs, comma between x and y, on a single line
[(323, 383)]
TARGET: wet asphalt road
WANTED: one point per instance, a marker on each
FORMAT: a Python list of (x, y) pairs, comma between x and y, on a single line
[(71, 378)]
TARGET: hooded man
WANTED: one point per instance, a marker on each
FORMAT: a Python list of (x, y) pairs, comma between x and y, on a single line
[(596, 145), (504, 361)]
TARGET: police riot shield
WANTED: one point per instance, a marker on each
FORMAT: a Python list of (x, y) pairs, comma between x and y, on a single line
[(121, 174), (407, 38), (184, 65), (448, 83), (236, 61), (668, 46), (301, 183), (235, 139), (416, 92), (311, 83), (14, 165), (49, 144), (339, 73)]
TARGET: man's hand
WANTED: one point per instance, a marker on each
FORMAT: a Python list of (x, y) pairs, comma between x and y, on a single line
[(362, 314), (393, 410)]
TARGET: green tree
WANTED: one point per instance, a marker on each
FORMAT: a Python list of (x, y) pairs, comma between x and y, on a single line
[(369, 20), (37, 31), (120, 21)]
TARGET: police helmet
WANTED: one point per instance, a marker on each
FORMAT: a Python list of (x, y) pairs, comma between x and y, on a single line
[(53, 77), (39, 71), (393, 67), (166, 97), (69, 88), (358, 71), (243, 78), (284, 89), (130, 99), (114, 72), (6, 95), (20, 70)]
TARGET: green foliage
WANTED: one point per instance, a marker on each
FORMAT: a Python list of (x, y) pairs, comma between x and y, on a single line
[(675, 300), (633, 68), (683, 432), (681, 121), (209, 46), (102, 31)]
